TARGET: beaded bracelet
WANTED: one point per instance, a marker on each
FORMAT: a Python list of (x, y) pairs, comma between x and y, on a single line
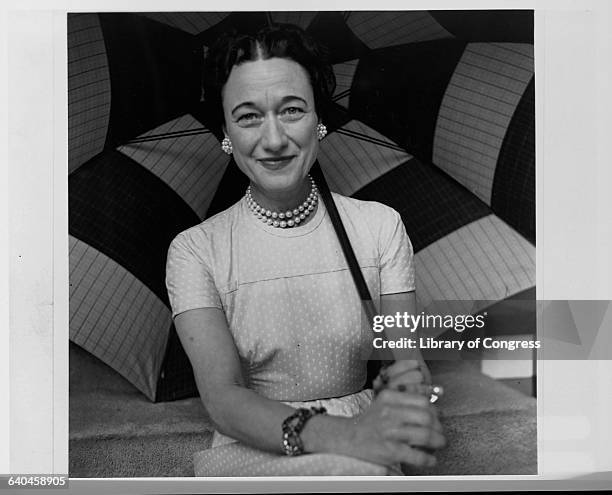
[(293, 426)]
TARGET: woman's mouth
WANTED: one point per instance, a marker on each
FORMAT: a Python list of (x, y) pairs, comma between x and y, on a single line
[(275, 163)]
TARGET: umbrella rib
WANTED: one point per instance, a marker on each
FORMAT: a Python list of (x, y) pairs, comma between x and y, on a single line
[(341, 95), (364, 137), (168, 135), (171, 133), (194, 132)]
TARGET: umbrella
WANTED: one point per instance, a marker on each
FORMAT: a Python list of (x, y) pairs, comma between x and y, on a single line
[(433, 115)]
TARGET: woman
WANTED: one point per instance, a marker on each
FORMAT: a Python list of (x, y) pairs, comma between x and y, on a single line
[(262, 298)]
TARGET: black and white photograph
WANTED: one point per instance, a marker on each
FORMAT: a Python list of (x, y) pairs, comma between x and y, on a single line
[(243, 187), (305, 247)]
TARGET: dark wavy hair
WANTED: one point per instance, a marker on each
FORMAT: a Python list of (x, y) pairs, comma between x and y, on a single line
[(280, 40)]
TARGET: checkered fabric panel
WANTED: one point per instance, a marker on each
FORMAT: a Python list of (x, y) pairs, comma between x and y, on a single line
[(155, 72), (191, 165), (115, 317), (89, 91), (432, 204), (476, 110), (515, 26), (190, 22), (513, 196), (483, 260), (331, 30), (350, 163), (127, 213), (302, 19), (344, 79), (398, 91), (378, 29)]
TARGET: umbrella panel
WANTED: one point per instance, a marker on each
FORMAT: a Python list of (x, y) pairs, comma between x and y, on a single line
[(513, 196), (154, 73), (401, 101)]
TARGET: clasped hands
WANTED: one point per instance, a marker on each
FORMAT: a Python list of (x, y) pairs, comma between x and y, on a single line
[(401, 425)]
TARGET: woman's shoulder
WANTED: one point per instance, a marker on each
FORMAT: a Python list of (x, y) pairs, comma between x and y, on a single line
[(370, 221), (212, 228), (365, 210)]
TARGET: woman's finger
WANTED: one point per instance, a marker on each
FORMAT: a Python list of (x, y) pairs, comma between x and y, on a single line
[(401, 366), (419, 437), (437, 425), (415, 456), (433, 392), (413, 410), (406, 378), (425, 370), (417, 416), (402, 399), (405, 371)]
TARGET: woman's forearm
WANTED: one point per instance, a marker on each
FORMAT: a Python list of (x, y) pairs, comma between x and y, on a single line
[(385, 433), (235, 410), (245, 415)]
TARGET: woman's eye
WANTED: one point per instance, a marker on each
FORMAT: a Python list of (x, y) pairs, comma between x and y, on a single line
[(248, 118), (293, 112)]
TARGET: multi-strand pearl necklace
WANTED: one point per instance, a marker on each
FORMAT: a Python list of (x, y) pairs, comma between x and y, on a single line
[(289, 218)]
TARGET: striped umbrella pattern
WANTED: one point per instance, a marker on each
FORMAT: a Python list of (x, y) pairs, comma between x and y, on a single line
[(433, 115)]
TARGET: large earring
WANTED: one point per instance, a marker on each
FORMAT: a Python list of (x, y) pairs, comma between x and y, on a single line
[(321, 131), (226, 145)]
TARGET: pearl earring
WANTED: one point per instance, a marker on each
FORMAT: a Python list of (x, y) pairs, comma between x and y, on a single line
[(226, 145), (321, 131)]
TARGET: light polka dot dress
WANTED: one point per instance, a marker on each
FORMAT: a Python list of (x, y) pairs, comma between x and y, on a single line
[(294, 313)]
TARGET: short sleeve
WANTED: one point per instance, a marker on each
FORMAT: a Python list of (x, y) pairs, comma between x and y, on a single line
[(189, 279), (397, 272)]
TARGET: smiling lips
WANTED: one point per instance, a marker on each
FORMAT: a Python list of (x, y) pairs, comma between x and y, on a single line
[(275, 162)]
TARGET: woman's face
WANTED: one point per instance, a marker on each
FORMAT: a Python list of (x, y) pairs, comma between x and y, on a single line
[(271, 120)]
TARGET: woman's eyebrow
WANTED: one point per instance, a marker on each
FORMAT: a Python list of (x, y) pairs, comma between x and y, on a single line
[(283, 100), (287, 98), (243, 104)]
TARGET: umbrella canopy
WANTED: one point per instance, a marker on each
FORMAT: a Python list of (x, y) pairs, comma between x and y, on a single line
[(433, 115)]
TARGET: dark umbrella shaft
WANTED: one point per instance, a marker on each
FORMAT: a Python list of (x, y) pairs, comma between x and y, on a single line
[(362, 287), (345, 243)]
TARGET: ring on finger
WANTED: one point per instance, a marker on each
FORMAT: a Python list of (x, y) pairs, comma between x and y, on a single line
[(433, 391)]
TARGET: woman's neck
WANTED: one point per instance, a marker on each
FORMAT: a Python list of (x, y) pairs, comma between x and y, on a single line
[(281, 201)]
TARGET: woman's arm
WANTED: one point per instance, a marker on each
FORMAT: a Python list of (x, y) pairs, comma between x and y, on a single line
[(383, 434), (410, 367), (234, 410)]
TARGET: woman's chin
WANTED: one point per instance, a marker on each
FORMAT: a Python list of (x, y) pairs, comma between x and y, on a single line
[(279, 181)]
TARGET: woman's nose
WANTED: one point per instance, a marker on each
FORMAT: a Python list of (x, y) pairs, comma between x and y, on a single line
[(273, 135)]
